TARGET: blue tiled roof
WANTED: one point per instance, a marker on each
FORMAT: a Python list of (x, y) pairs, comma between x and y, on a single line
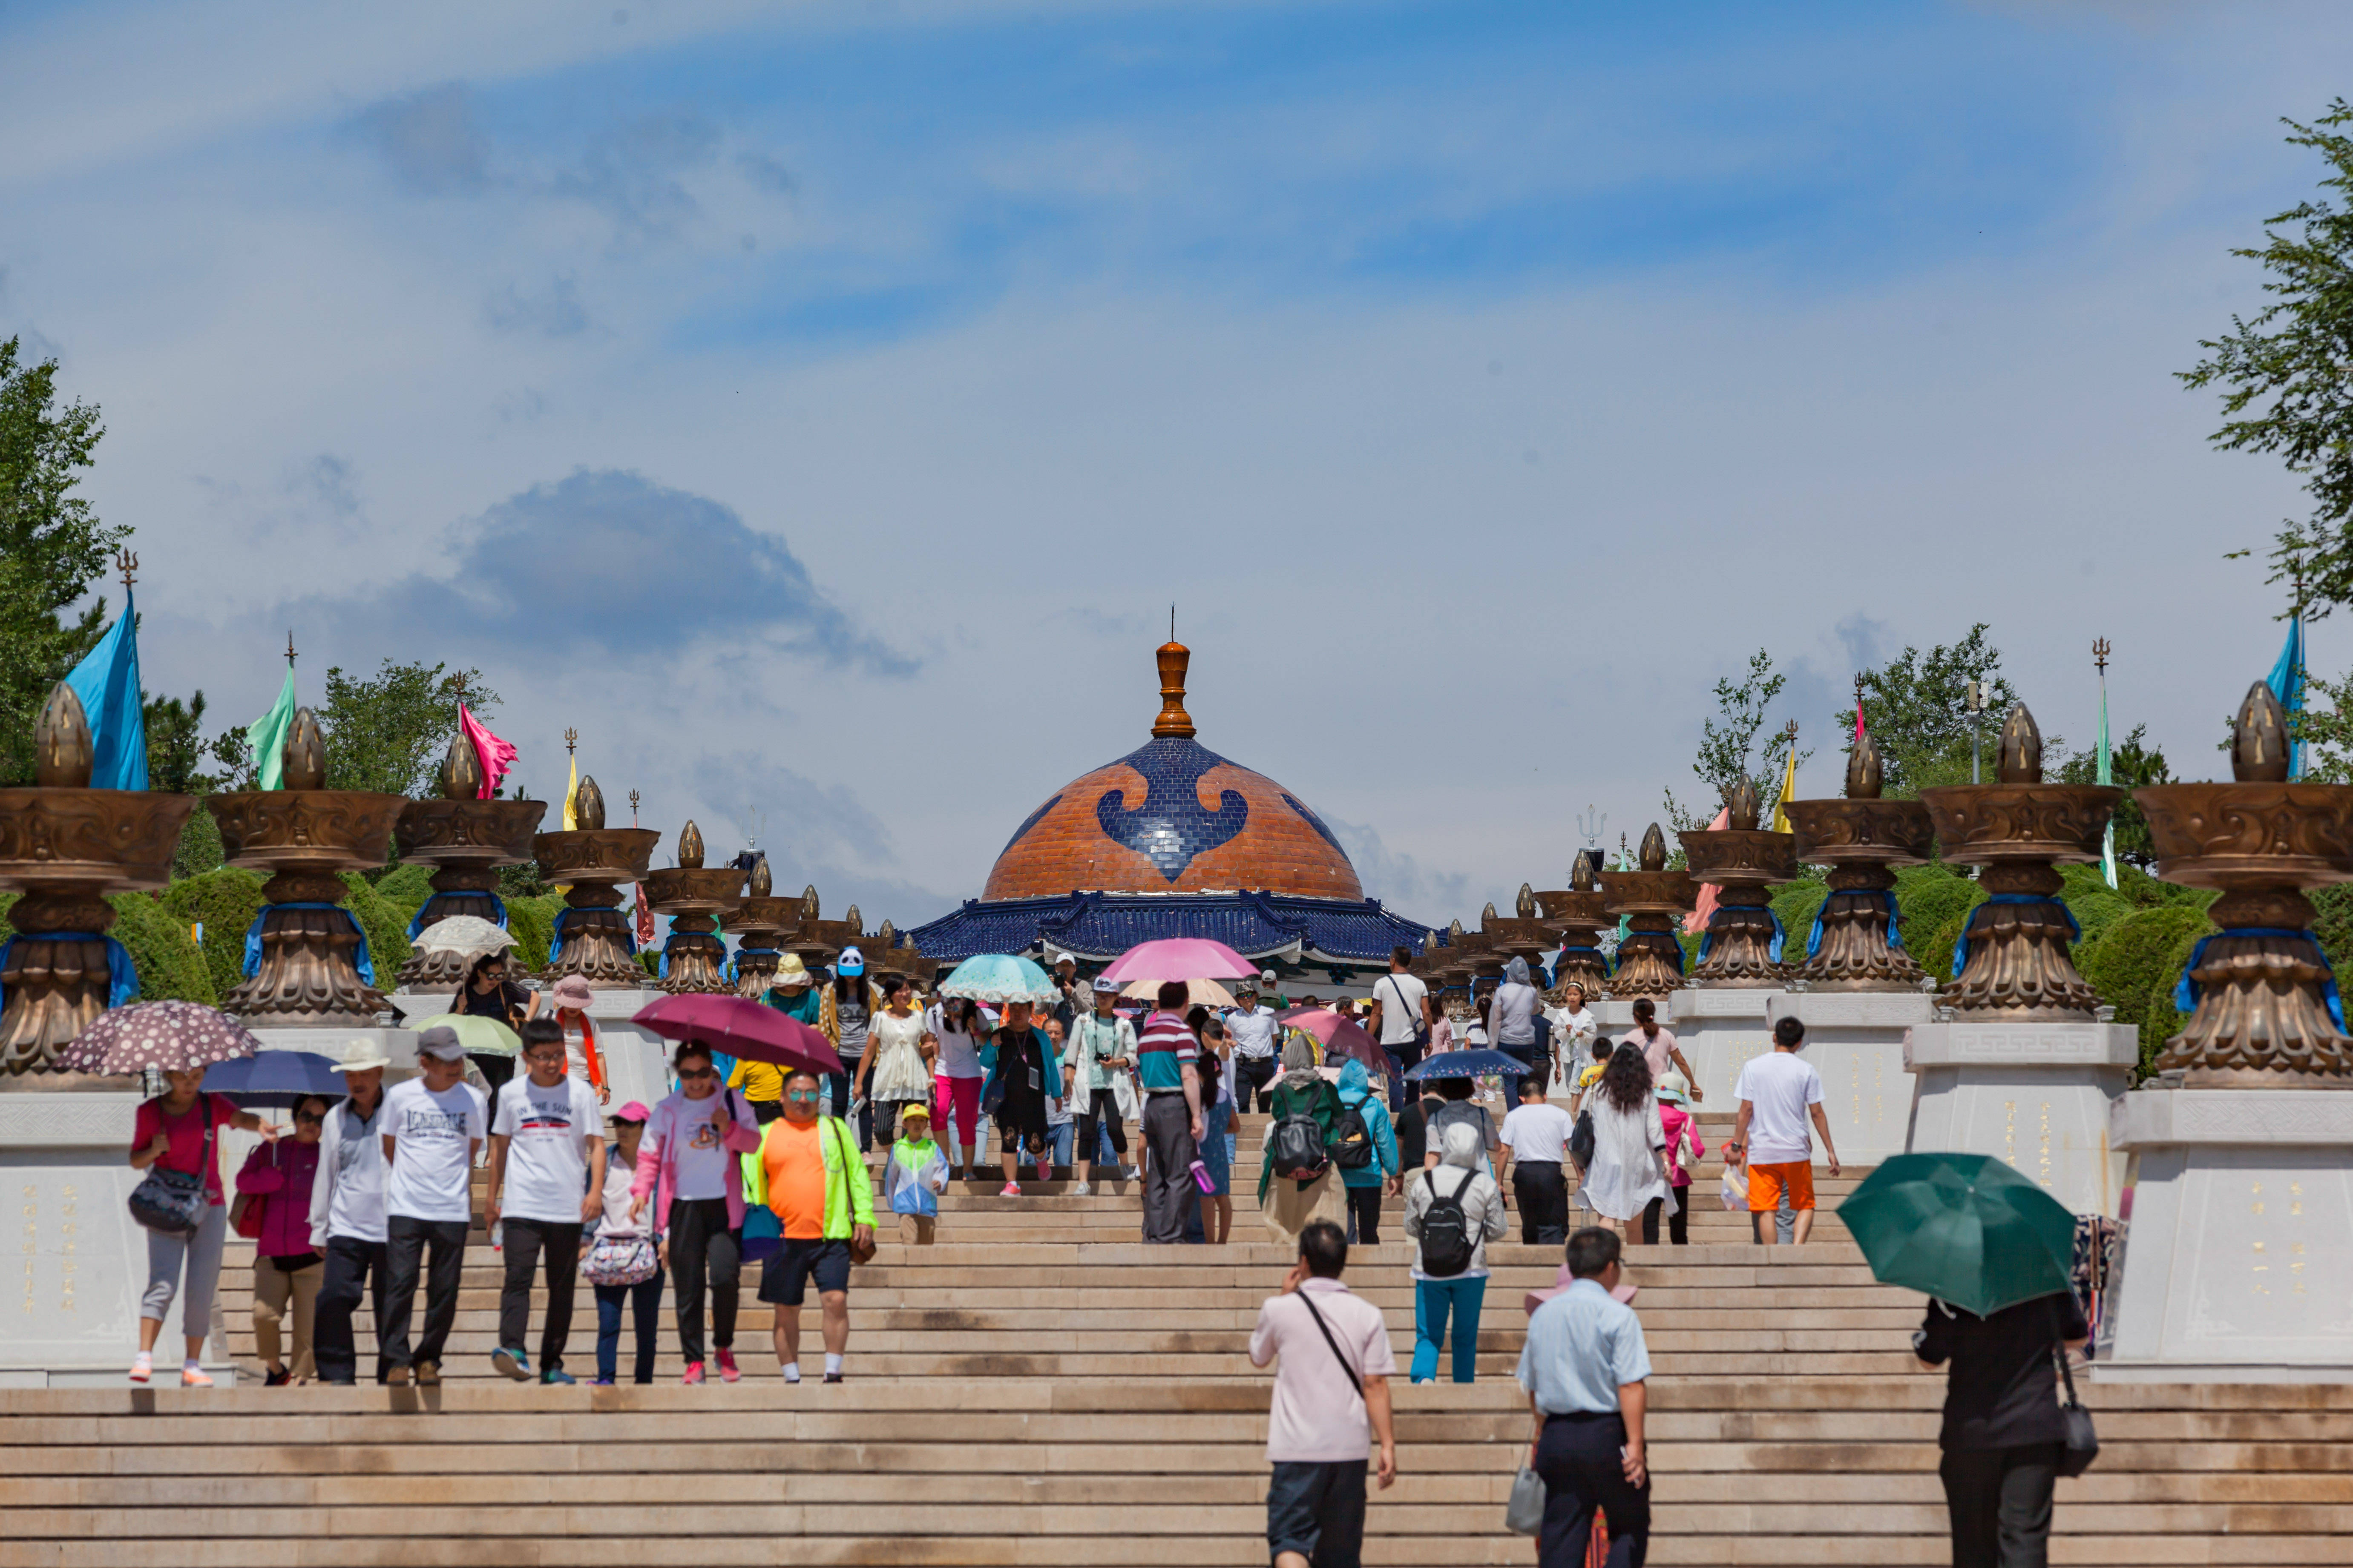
[(1100, 926)]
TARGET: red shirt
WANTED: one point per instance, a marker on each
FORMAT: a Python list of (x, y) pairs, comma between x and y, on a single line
[(187, 1134)]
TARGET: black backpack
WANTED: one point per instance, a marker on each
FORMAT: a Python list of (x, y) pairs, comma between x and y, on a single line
[(1446, 1246), (1354, 1138), (1297, 1147)]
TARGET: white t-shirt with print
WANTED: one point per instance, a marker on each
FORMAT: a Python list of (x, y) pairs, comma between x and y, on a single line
[(703, 1154), (433, 1135), (547, 1132), (1779, 1087), (1401, 998)]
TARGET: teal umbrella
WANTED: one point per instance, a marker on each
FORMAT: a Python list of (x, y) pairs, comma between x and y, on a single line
[(1965, 1228), (998, 978)]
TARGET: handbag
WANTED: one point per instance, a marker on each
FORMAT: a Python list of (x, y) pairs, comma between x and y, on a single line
[(245, 1216), (1420, 1025), (2082, 1444), (621, 1260), (1523, 1514), (1581, 1139), (173, 1202), (859, 1251)]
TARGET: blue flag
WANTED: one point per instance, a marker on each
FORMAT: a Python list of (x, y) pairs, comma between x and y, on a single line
[(107, 682), (2287, 684)]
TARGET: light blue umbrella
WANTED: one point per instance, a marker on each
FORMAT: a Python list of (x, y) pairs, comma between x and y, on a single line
[(1000, 977)]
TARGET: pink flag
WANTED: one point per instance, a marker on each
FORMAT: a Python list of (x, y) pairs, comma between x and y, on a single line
[(645, 918), (1696, 922), (496, 755), (1858, 717)]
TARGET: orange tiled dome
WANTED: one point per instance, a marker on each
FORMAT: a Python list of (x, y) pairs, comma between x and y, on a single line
[(1172, 816)]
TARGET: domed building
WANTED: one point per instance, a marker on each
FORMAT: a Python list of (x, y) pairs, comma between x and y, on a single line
[(1173, 839)]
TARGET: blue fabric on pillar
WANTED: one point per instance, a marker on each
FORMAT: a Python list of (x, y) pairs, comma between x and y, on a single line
[(2186, 990), (1894, 931), (360, 959), (1707, 940), (756, 952), (556, 942), (418, 923), (121, 974), (1961, 948)]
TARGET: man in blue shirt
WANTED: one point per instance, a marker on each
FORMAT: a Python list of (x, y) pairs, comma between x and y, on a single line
[(1584, 1365)]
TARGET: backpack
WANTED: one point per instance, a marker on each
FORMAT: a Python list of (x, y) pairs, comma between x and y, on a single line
[(1355, 1139), (1297, 1146), (1446, 1246)]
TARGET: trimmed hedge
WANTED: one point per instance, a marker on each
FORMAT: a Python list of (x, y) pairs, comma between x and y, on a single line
[(1926, 898), (532, 921), (226, 902), (2134, 963), (1797, 904), (406, 888), (386, 927)]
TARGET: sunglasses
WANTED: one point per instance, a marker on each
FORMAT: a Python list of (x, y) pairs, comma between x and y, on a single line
[(308, 1116), (803, 1097), (695, 1075)]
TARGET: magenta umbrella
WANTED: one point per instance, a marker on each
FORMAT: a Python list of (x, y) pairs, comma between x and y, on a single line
[(1342, 1039), (1179, 958), (742, 1028)]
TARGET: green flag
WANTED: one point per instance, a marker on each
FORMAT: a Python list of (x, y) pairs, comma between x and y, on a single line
[(2107, 776), (266, 735)]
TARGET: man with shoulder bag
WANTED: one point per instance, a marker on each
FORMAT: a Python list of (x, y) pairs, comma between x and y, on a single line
[(1331, 1404), (1401, 1019)]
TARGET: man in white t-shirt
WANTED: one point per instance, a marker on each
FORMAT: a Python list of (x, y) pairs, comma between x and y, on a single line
[(433, 1125), (547, 1180), (1536, 1135), (1400, 1019), (1778, 1093)]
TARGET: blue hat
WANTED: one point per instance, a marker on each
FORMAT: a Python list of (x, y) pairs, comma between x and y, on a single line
[(851, 962)]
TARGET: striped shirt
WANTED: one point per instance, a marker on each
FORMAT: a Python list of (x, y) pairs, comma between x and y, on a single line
[(1164, 1050)]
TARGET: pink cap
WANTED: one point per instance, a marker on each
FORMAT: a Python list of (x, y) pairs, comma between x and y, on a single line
[(634, 1111)]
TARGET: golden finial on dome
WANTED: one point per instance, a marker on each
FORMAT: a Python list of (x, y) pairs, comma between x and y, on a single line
[(1172, 658)]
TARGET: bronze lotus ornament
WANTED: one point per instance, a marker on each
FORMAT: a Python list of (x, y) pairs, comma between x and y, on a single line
[(695, 896), (1652, 899), (467, 840), (1741, 861), (1862, 839)]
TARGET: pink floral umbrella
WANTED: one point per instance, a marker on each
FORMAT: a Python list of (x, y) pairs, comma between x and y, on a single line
[(170, 1036), (1179, 958)]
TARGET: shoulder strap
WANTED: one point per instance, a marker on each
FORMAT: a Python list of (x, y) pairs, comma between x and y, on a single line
[(2059, 1353), (1346, 1365)]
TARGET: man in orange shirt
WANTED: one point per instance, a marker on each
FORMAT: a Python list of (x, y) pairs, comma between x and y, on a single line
[(819, 1190)]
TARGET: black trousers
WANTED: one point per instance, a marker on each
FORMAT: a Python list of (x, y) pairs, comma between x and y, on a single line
[(1364, 1215), (351, 1265), (526, 1241), (1525, 1056), (704, 1252), (1252, 1075), (437, 1247), (1678, 1222), (1999, 1503), (1101, 1111), (1542, 1191), (495, 1071), (1578, 1457), (1168, 1192)]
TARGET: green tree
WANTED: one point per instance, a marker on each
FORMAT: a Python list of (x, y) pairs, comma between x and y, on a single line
[(2284, 374), (1727, 741), (387, 733), (2133, 765), (52, 548), (1915, 708)]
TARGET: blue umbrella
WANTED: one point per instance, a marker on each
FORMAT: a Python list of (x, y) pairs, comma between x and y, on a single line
[(275, 1078), (1466, 1064), (998, 978)]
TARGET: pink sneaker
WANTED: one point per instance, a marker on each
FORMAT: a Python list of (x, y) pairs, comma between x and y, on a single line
[(727, 1371), (693, 1373), (1011, 1190), (143, 1367)]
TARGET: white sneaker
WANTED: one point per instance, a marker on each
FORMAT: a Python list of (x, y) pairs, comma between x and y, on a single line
[(1079, 1189)]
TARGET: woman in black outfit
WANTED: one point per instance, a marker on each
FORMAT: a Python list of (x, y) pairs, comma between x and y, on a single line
[(488, 994)]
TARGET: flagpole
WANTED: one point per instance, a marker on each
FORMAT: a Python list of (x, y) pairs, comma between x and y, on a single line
[(2106, 771)]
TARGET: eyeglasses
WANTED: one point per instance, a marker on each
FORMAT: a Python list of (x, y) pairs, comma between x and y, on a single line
[(803, 1097), (695, 1075), (308, 1116)]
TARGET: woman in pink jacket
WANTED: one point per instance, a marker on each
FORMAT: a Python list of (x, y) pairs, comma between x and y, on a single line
[(688, 1163), (1683, 1142), (276, 1180)]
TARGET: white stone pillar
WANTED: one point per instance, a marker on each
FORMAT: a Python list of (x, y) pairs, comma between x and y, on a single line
[(2034, 1095)]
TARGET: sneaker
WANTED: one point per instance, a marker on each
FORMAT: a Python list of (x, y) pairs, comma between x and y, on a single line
[(598, 1382), (1011, 1190), (693, 1373), (143, 1367), (1133, 1174), (395, 1377), (833, 1377), (428, 1374), (195, 1377), (728, 1372), (512, 1363), (278, 1379), (556, 1376), (1079, 1189)]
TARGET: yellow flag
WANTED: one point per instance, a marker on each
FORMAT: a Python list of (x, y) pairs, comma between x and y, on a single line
[(1788, 794), (571, 821)]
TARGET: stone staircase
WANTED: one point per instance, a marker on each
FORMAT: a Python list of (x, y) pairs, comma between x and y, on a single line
[(1040, 1387)]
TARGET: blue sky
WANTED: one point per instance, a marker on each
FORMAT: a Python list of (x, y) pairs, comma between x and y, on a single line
[(818, 408)]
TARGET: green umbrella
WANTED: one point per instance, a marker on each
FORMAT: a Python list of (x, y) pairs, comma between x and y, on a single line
[(482, 1036), (1965, 1228)]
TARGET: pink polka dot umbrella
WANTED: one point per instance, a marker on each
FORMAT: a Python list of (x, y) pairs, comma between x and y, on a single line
[(171, 1037)]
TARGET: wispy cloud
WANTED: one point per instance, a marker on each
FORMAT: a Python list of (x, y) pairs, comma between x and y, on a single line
[(431, 140)]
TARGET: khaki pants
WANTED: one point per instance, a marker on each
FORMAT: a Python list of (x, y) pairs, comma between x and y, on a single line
[(272, 1287), (915, 1229)]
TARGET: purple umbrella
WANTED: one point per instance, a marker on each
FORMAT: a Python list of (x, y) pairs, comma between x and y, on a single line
[(742, 1028), (170, 1036)]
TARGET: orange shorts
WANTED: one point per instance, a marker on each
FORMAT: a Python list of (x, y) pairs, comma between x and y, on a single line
[(1766, 1184)]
